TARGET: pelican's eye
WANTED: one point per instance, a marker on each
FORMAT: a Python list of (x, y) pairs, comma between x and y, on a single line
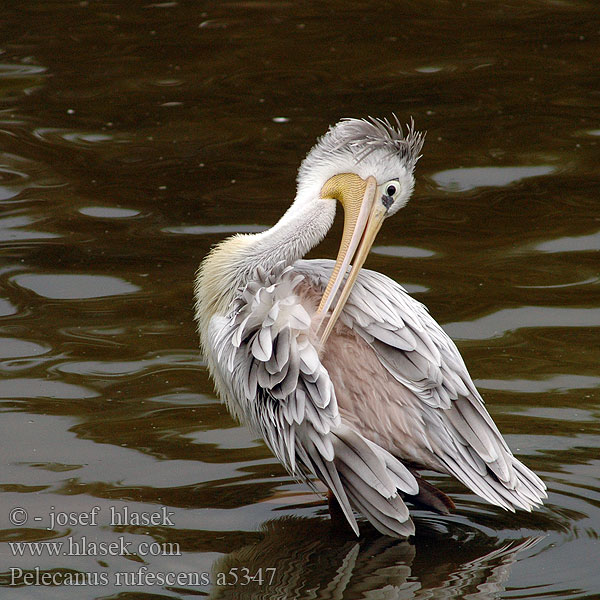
[(389, 192)]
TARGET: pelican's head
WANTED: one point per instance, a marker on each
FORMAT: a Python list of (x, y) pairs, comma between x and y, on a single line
[(356, 149), (367, 165)]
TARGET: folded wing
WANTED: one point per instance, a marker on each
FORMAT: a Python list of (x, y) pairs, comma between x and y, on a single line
[(268, 369), (442, 413)]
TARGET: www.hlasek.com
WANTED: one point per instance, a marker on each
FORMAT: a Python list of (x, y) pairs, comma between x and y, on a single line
[(86, 547), (142, 577)]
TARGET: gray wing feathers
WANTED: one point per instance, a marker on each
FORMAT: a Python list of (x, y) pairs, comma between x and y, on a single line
[(371, 485), (419, 355), (372, 464), (276, 383)]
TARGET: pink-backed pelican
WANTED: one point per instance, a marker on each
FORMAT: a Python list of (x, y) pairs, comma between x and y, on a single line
[(344, 375)]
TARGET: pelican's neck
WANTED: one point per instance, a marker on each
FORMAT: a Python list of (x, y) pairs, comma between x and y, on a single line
[(235, 261), (299, 230)]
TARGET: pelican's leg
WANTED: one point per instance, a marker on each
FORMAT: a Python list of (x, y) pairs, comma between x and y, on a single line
[(338, 518), (430, 497)]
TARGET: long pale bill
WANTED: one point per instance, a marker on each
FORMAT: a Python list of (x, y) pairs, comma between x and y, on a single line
[(373, 225)]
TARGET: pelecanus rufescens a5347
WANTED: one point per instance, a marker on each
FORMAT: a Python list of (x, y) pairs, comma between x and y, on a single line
[(344, 375)]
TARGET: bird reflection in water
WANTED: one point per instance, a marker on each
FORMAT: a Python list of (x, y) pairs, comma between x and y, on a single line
[(309, 563)]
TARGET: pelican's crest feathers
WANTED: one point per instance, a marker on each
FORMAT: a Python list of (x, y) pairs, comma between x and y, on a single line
[(364, 136)]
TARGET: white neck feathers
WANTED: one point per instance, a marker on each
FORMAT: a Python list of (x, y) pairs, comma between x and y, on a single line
[(231, 263)]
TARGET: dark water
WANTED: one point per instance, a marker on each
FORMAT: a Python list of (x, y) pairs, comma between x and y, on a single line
[(135, 135)]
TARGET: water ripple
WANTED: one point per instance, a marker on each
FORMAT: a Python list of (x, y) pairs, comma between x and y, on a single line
[(11, 71), (125, 368), (403, 251), (580, 243), (462, 180), (58, 136), (29, 387), (7, 308), (108, 212), (13, 229), (510, 319), (582, 282), (17, 348), (75, 287), (556, 383), (12, 180), (209, 229)]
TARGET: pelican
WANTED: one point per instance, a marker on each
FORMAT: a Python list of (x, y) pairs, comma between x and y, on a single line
[(345, 376)]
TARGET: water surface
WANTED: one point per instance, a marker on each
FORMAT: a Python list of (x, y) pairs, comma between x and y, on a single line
[(133, 136)]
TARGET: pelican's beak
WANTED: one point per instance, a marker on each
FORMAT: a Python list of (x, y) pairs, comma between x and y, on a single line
[(363, 216)]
